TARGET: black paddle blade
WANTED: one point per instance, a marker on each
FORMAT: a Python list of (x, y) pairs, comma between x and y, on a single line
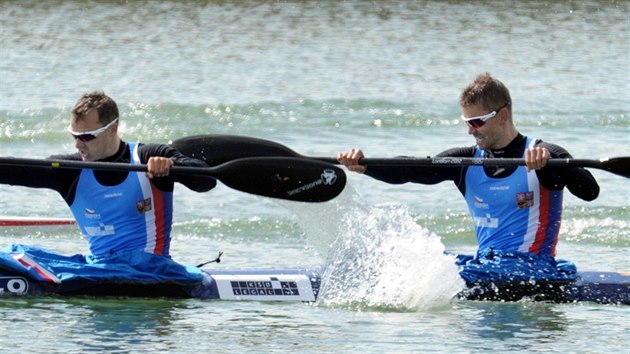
[(217, 149), (295, 179), (617, 165)]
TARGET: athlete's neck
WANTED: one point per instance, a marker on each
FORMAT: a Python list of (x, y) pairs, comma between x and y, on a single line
[(513, 149), (118, 155)]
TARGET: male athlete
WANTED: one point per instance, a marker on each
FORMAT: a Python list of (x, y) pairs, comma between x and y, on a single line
[(125, 216), (516, 210)]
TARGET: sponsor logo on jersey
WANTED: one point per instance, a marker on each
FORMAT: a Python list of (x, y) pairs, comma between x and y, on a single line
[(487, 221), (499, 188), (113, 195), (100, 230)]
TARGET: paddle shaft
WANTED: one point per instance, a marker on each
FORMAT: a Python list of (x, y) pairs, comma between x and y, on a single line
[(286, 178), (617, 165), (101, 166), (463, 161), (215, 149)]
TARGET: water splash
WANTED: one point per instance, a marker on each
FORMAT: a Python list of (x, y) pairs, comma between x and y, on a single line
[(377, 257)]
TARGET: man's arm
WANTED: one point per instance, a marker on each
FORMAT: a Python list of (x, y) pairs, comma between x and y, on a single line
[(422, 174), (195, 183), (60, 180), (579, 181)]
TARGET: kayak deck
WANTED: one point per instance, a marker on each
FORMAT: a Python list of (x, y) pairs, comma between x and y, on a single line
[(590, 286), (303, 285), (260, 285)]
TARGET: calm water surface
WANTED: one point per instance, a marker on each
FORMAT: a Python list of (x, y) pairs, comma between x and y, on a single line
[(321, 77)]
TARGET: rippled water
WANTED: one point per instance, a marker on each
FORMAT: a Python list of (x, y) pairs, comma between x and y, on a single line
[(320, 77)]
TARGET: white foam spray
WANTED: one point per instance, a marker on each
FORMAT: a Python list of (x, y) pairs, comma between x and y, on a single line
[(377, 257)]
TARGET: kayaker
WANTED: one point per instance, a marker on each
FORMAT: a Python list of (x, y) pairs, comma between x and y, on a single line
[(122, 214), (516, 210)]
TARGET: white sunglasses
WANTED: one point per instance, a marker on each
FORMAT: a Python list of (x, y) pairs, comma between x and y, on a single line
[(91, 135), (479, 121)]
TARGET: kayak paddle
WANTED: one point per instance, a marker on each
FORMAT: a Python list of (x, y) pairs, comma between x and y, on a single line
[(288, 178), (216, 149)]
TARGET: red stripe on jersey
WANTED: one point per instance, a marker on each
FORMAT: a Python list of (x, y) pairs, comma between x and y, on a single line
[(543, 220), (158, 204)]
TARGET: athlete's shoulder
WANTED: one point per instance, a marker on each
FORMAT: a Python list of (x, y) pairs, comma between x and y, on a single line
[(555, 150), (156, 149), (145, 151)]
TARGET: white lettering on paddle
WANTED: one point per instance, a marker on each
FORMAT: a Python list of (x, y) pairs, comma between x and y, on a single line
[(305, 187), (328, 178)]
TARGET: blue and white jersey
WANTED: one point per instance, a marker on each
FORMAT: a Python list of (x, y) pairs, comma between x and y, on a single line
[(133, 215), (515, 213)]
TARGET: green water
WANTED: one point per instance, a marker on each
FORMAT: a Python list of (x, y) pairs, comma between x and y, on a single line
[(320, 77)]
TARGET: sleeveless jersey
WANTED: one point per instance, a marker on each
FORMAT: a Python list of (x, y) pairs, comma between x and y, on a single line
[(515, 213), (133, 215)]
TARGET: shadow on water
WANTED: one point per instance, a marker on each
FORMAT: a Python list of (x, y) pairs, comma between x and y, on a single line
[(536, 322)]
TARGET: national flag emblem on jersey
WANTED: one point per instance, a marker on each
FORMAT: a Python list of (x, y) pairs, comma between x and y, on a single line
[(479, 203), (91, 214), (143, 206), (524, 200)]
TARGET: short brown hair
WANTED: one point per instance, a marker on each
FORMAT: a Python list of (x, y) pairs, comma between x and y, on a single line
[(104, 105), (487, 91)]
